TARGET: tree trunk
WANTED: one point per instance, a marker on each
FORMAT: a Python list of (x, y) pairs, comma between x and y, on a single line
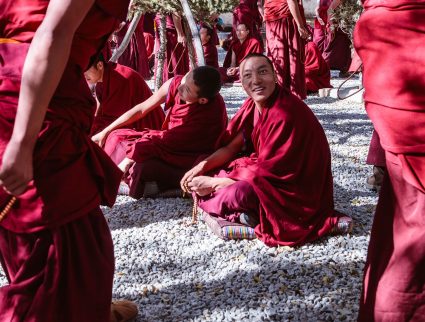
[(195, 33), (161, 52), (123, 46)]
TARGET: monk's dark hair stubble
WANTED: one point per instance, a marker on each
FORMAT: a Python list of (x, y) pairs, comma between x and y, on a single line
[(259, 55), (208, 80)]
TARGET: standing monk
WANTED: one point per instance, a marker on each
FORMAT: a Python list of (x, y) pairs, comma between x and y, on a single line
[(117, 89), (390, 40), (285, 31), (209, 47), (283, 187), (196, 119), (55, 245)]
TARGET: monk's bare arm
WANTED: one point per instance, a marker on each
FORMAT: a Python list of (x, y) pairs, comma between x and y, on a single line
[(136, 113), (215, 160), (43, 68), (181, 38), (295, 12)]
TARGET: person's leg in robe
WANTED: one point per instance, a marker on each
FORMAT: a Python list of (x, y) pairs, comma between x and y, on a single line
[(62, 274), (231, 201), (394, 271), (285, 48), (376, 157)]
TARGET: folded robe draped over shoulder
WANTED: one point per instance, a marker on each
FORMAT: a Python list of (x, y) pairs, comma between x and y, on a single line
[(292, 180), (121, 89), (390, 40), (317, 72)]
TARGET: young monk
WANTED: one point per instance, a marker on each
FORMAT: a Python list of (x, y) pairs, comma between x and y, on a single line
[(285, 31), (390, 40), (239, 49), (283, 187), (196, 119), (118, 88), (55, 246), (210, 50)]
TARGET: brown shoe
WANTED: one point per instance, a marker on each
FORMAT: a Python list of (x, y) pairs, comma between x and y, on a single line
[(343, 226), (123, 311), (374, 182)]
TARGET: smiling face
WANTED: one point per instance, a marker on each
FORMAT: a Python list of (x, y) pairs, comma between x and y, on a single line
[(258, 78), (188, 90), (242, 32)]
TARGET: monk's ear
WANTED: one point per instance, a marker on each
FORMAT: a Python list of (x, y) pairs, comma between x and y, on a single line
[(203, 100), (99, 65)]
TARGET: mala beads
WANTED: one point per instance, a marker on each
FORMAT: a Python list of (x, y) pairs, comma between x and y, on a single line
[(6, 209), (195, 205)]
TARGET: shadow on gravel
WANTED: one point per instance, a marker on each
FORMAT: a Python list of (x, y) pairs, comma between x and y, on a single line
[(275, 290)]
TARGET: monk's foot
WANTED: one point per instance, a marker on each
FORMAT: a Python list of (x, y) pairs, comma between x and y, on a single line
[(344, 74), (249, 220), (374, 182), (123, 311), (324, 92), (343, 226), (124, 189), (151, 189)]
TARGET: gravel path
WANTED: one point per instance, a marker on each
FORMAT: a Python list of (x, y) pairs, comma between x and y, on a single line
[(179, 273)]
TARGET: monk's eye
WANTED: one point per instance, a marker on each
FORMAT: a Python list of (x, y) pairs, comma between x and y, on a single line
[(247, 75), (263, 72)]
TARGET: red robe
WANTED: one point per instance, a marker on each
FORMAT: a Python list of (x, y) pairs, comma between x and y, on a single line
[(293, 182), (390, 40), (285, 47), (189, 131), (176, 57), (246, 12), (57, 224), (121, 89), (317, 72), (135, 55), (210, 54)]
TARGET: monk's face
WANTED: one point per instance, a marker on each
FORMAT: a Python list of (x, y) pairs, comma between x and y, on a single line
[(258, 79), (94, 74), (188, 90), (203, 34), (242, 32)]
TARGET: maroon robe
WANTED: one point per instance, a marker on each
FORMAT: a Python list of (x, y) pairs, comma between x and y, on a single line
[(121, 89), (247, 13), (210, 54), (285, 47), (317, 72), (57, 224), (189, 131), (135, 55), (320, 31), (241, 50), (293, 182), (176, 58), (390, 40)]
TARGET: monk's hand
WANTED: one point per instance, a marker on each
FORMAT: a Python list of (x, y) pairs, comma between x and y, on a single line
[(189, 175), (304, 34), (181, 39), (100, 138), (320, 20), (231, 71), (202, 185), (17, 169)]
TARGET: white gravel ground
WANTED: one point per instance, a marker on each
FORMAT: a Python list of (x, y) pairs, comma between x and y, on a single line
[(179, 273)]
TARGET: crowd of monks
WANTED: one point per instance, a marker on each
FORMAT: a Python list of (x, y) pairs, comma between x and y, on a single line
[(68, 115)]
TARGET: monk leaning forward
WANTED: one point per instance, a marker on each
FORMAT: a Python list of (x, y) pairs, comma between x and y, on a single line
[(195, 122), (118, 88), (55, 245), (390, 40), (284, 187)]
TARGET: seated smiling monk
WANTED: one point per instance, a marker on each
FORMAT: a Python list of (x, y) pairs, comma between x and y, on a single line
[(284, 188), (195, 122)]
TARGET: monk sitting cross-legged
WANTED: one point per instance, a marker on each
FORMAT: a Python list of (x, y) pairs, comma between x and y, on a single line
[(239, 49), (196, 120), (284, 186), (118, 88)]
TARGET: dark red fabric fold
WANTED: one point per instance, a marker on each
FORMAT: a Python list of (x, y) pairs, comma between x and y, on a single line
[(121, 89), (317, 72)]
